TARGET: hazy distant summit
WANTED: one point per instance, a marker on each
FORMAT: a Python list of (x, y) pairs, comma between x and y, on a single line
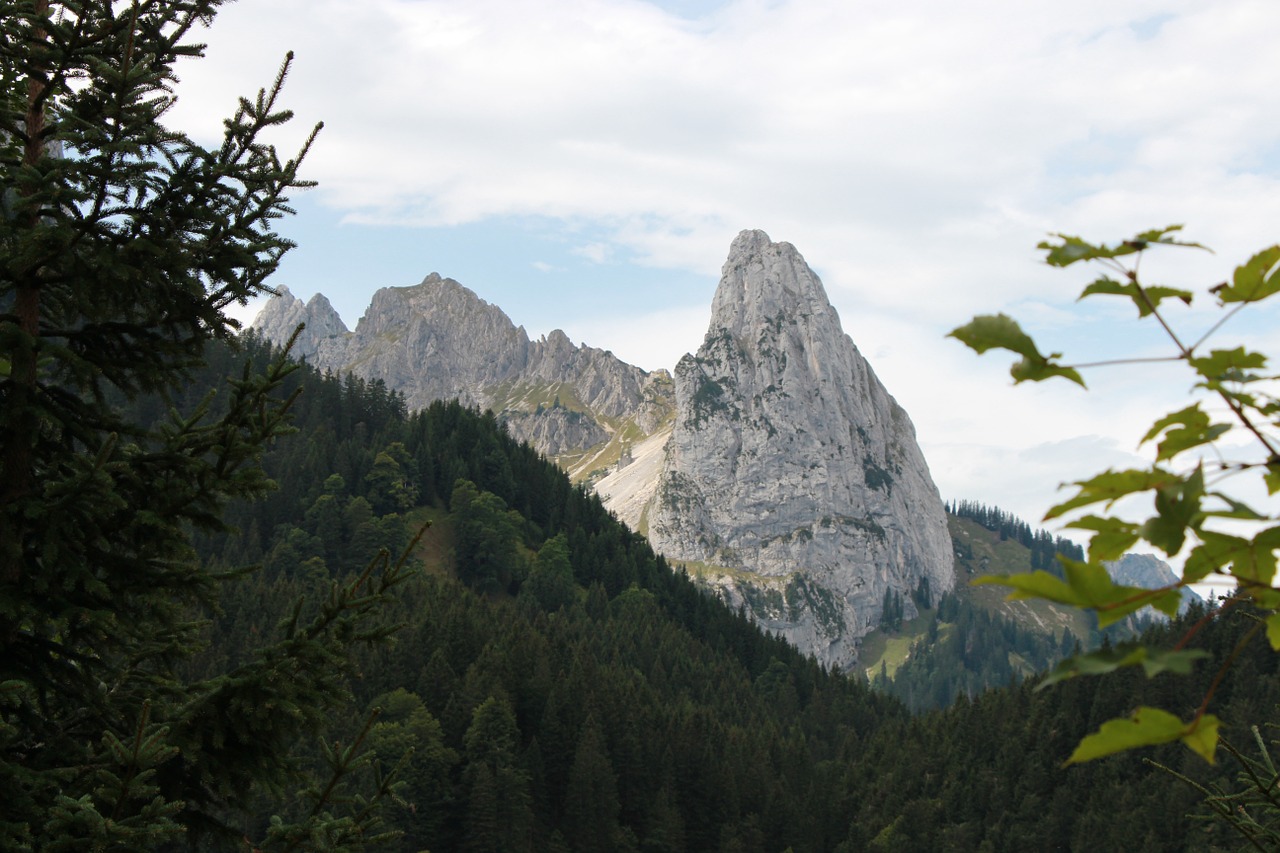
[(284, 313), (1150, 572)]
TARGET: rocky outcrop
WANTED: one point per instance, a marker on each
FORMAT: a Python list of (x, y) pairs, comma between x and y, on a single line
[(556, 431), (1149, 572), (792, 481), (436, 341), (439, 341), (285, 312)]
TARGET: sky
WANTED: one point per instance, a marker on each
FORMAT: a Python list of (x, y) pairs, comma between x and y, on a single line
[(585, 165)]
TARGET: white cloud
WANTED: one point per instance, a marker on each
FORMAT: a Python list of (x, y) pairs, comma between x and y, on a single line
[(915, 153), (597, 253), (1026, 481), (879, 137)]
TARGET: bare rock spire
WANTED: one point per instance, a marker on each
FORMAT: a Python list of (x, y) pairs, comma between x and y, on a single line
[(792, 478)]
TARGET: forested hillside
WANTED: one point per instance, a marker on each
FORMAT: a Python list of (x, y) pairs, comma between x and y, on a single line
[(972, 638), (574, 692), (560, 688)]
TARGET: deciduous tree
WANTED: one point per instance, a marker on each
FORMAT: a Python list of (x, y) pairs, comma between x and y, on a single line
[(1195, 490)]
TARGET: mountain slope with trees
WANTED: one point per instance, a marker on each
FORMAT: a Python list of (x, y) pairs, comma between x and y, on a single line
[(541, 622), (563, 689), (972, 638)]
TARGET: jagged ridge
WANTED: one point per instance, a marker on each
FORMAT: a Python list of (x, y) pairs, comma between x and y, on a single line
[(437, 340)]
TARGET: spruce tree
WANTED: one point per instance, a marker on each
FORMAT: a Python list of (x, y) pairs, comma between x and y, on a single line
[(122, 242), (499, 815), (591, 801)]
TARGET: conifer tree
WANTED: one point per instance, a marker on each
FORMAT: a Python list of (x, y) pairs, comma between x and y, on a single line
[(499, 817), (591, 802), (550, 580), (122, 242)]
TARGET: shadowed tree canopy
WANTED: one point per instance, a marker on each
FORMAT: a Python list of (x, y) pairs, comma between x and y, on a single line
[(122, 242)]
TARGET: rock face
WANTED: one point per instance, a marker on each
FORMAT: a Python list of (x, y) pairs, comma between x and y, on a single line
[(282, 314), (1149, 572), (792, 480), (439, 341)]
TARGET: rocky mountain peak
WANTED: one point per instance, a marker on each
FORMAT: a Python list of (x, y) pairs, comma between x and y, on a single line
[(761, 280), (1149, 572), (792, 480), (436, 301), (557, 346), (282, 315)]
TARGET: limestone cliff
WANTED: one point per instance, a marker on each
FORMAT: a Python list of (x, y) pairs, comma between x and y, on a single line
[(792, 480), (285, 312), (439, 341)]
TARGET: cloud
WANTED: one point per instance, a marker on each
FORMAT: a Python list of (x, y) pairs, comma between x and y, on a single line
[(598, 253), (923, 141), (1026, 481), (915, 153)]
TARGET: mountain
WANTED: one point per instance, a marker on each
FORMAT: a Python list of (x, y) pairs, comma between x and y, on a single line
[(1150, 572), (284, 313), (661, 710), (437, 340), (792, 481), (775, 465)]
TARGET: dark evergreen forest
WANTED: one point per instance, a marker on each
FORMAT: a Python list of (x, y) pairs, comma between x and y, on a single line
[(555, 685)]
